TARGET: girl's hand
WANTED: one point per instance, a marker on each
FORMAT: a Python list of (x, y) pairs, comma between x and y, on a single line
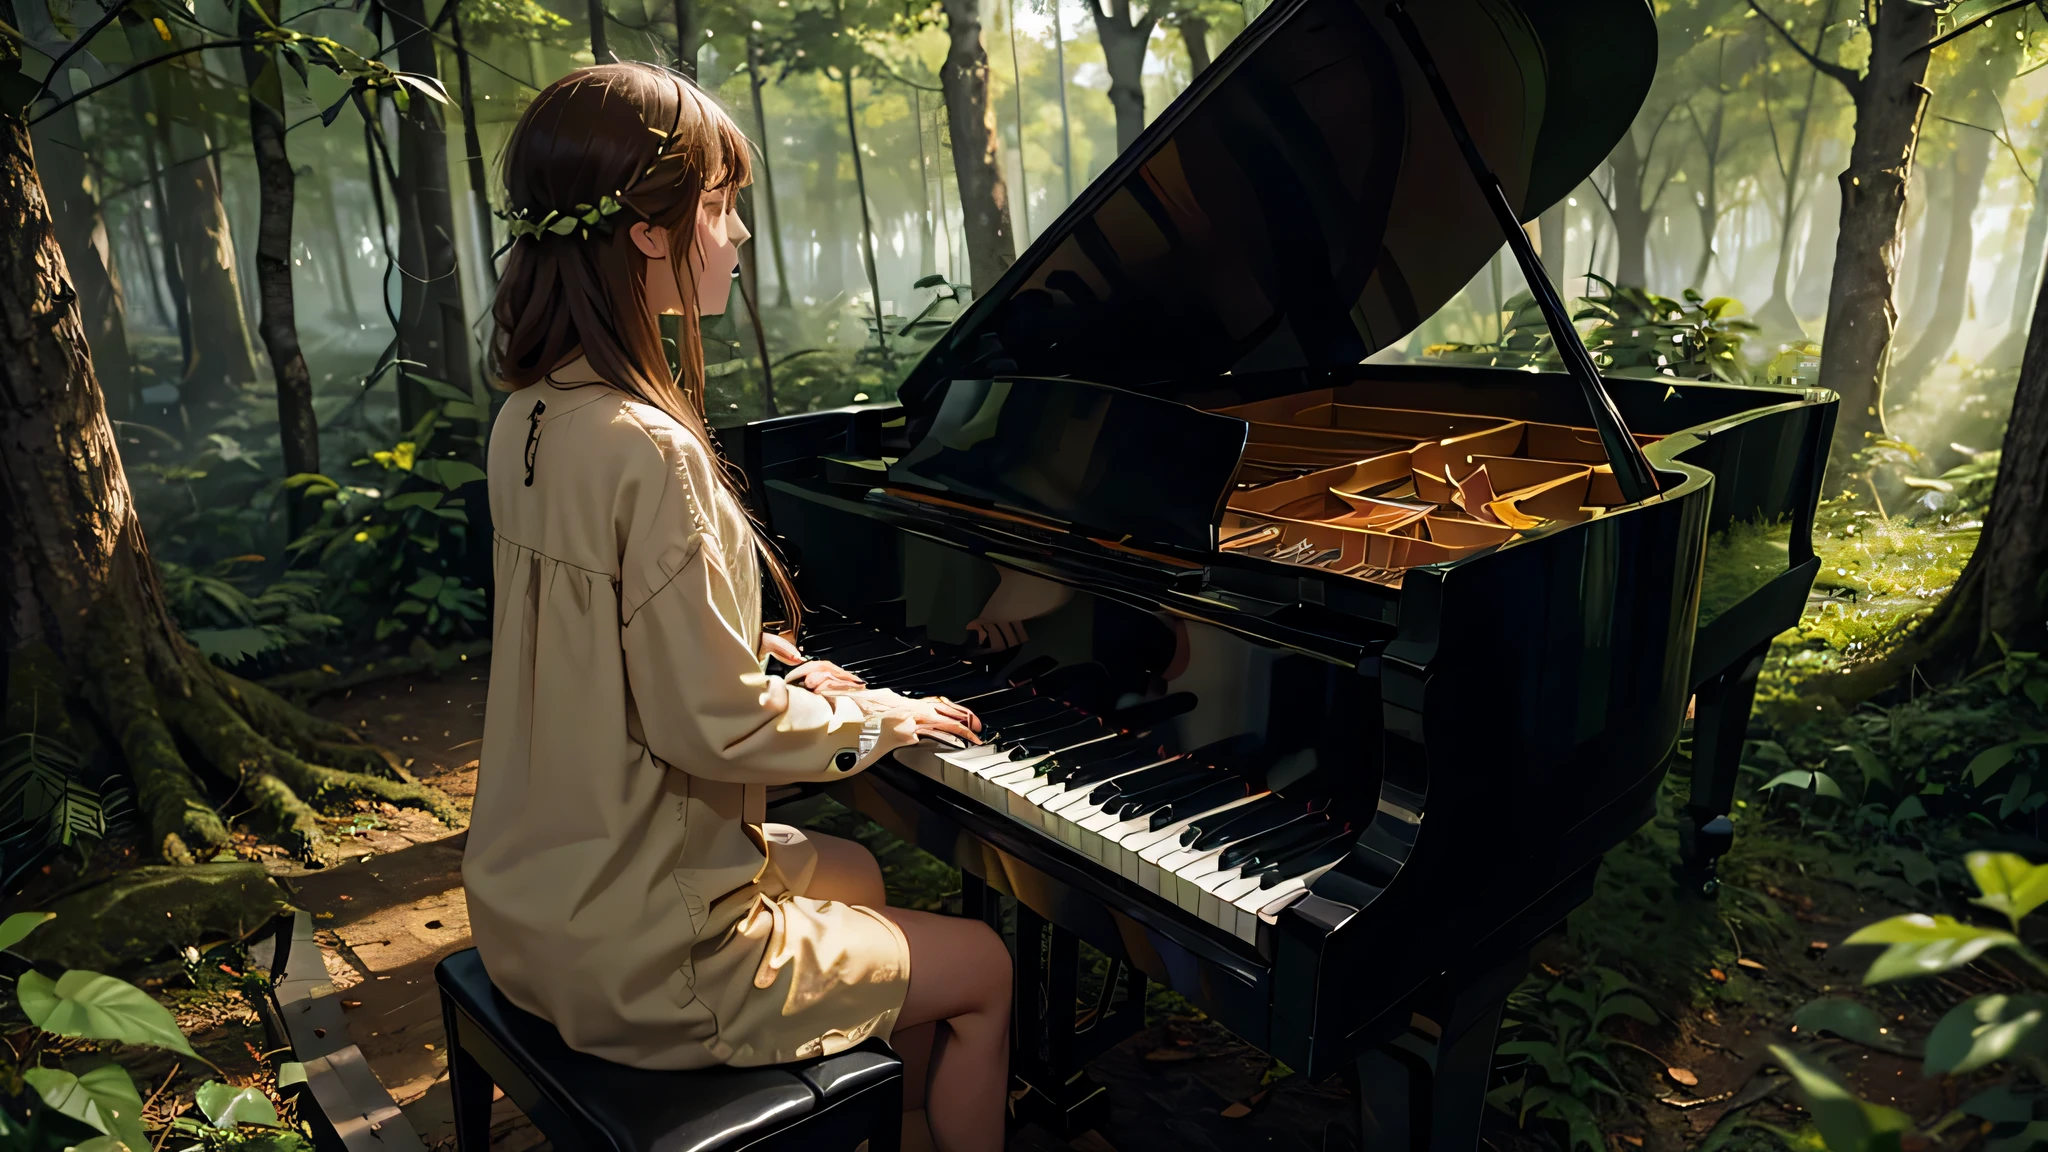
[(781, 647), (944, 719), (823, 676)]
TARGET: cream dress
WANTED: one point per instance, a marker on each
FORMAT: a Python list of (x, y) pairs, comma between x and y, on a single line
[(622, 881)]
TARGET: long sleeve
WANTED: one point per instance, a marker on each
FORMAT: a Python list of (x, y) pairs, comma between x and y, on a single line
[(705, 705)]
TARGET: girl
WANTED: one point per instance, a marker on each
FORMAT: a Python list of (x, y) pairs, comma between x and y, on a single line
[(622, 881)]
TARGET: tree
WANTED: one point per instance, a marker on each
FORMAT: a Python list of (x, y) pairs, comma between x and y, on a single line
[(298, 429), (87, 633), (977, 153), (1632, 193), (1975, 132), (1125, 29), (1890, 96), (433, 333), (1776, 317), (754, 61)]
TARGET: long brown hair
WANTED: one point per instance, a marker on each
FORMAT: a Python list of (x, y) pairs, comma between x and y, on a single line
[(648, 141)]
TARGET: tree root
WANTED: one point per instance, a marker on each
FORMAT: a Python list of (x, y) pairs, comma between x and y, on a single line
[(182, 825), (291, 819)]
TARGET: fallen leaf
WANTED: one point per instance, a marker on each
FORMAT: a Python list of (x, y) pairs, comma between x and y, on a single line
[(433, 923), (1635, 1141), (1237, 1111), (1683, 1076), (1718, 976), (1816, 949), (351, 1003), (344, 896), (1746, 962)]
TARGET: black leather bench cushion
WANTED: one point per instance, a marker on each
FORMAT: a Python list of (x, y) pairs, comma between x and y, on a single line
[(632, 1108)]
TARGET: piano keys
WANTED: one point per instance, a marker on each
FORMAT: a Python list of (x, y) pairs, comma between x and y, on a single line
[(1337, 677)]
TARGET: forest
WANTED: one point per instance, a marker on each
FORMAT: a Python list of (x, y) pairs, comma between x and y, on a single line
[(247, 255)]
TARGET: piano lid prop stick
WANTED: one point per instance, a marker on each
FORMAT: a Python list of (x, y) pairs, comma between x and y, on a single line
[(1632, 471)]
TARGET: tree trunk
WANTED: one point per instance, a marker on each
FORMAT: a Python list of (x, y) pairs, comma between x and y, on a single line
[(432, 329), (338, 235), (1951, 294), (767, 172), (687, 40), (2001, 592), (1124, 34), (166, 248), (977, 156), (2028, 281), (473, 149), (1708, 198), (750, 295), (89, 253), (1631, 215), (599, 52), (928, 237), (1017, 98), (1059, 55), (220, 358), (1194, 33), (1923, 240), (1777, 318), (86, 628), (867, 227), (1890, 99), (298, 430), (1550, 242)]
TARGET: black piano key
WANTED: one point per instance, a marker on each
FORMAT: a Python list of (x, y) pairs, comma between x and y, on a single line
[(1066, 762), (847, 655), (1135, 802), (901, 667), (1148, 713), (1102, 770), (1064, 718), (1000, 696), (1209, 797), (1028, 710), (1031, 670), (1053, 739), (1329, 852), (1270, 846), (1249, 820), (948, 685), (1126, 786)]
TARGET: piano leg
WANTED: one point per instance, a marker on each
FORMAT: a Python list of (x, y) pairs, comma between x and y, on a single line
[(1425, 1090), (1720, 721), (1053, 1037)]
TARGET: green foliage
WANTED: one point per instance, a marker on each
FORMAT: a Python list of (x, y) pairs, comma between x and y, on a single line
[(104, 1097), (90, 1006), (46, 784), (1846, 1123), (396, 544), (1632, 332), (230, 625), (1844, 1018), (1561, 1034)]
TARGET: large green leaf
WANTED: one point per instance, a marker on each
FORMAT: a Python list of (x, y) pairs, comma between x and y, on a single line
[(226, 1105), (2008, 883), (1846, 1123), (90, 1006), (1845, 1018), (1922, 945), (448, 473), (1984, 1029), (105, 1098), (1988, 762), (16, 928)]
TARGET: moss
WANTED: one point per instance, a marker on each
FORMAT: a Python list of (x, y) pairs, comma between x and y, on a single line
[(143, 913)]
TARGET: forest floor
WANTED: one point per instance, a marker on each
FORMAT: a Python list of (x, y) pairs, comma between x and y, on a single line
[(1722, 977)]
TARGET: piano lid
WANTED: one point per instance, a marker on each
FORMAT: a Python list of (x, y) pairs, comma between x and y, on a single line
[(1304, 204)]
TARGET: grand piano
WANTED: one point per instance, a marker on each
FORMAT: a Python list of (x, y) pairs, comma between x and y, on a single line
[(1316, 688)]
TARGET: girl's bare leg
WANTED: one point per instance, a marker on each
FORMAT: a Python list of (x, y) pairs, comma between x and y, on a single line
[(960, 978), (953, 1034)]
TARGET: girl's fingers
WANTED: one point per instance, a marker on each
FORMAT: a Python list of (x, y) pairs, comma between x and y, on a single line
[(950, 727)]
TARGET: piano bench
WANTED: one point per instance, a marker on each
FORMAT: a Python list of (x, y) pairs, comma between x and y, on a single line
[(585, 1104)]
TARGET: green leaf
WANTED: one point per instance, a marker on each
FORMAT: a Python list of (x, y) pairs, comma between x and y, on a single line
[(231, 646), (1873, 767), (104, 1098), (413, 500), (2027, 1139), (2009, 885), (1984, 1029), (16, 928), (90, 1006), (427, 586), (1797, 778), (2000, 1105), (1988, 762), (1541, 1053), (1923, 945), (441, 389), (289, 1073), (1633, 1007), (314, 483), (226, 1105), (1824, 784), (1844, 1018), (1846, 1123), (449, 474)]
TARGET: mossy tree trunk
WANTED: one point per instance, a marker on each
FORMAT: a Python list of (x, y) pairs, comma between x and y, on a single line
[(977, 153), (86, 623)]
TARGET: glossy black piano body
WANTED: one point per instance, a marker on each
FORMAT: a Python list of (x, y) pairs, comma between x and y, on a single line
[(1488, 726)]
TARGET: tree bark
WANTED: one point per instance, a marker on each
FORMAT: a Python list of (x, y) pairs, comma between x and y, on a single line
[(89, 253), (767, 171), (927, 238), (1124, 32), (867, 227), (473, 154), (1890, 100), (85, 613), (298, 430), (166, 248), (687, 40), (1631, 216), (220, 358), (1194, 33), (977, 155), (432, 328), (1017, 97), (1951, 293)]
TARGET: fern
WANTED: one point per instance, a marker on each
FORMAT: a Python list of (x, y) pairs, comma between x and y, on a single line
[(43, 785)]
